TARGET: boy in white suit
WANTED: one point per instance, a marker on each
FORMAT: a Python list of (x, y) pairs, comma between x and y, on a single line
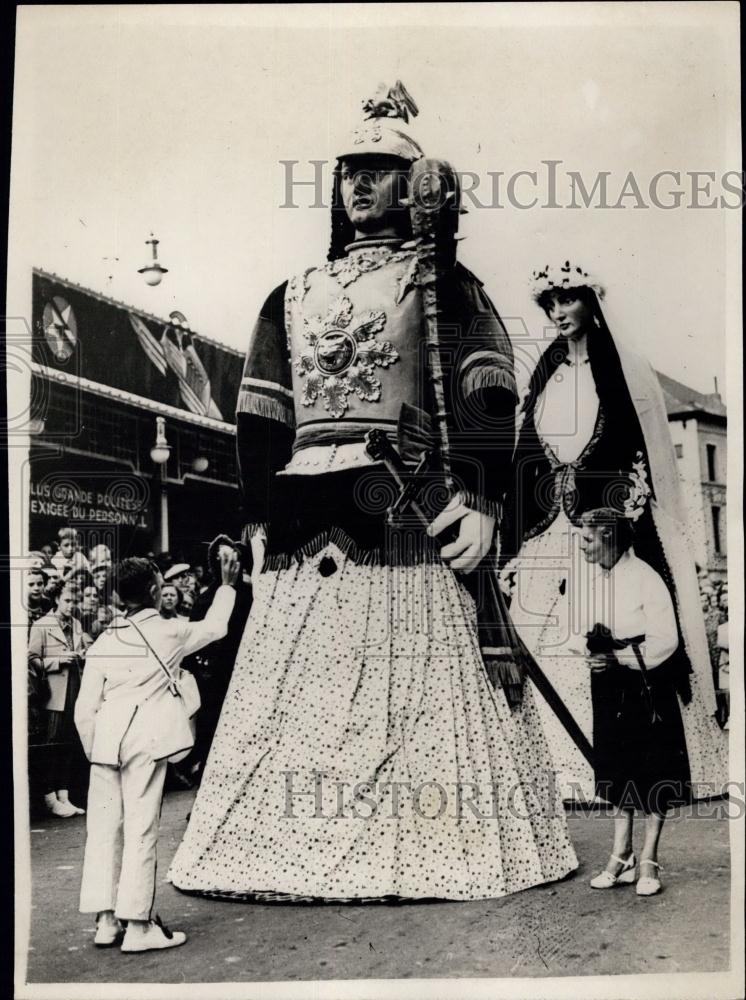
[(128, 734)]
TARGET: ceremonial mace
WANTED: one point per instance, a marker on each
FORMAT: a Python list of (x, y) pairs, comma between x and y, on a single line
[(434, 211)]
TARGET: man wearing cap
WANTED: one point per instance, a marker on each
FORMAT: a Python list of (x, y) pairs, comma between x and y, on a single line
[(359, 714), (178, 575)]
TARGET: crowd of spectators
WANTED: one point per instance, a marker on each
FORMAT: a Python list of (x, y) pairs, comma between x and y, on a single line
[(70, 599)]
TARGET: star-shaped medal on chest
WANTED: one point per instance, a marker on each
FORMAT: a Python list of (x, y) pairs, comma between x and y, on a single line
[(342, 356)]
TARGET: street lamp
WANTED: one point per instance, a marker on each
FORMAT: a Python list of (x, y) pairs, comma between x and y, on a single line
[(153, 271), (160, 453), (161, 450)]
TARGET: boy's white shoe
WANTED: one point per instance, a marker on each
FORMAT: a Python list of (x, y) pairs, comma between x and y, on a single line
[(150, 936), (108, 930)]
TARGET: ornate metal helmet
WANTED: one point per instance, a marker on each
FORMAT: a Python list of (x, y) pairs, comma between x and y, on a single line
[(382, 131)]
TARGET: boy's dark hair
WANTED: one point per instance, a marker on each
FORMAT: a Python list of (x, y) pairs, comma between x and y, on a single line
[(54, 593), (615, 522), (37, 571), (133, 579)]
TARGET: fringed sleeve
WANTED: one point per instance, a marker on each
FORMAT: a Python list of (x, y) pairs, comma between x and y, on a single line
[(265, 420), (482, 395)]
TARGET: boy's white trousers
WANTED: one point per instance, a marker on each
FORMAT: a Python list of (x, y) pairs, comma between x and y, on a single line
[(123, 815)]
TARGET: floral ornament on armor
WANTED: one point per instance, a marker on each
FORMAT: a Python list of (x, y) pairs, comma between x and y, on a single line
[(348, 269), (563, 277), (343, 356)]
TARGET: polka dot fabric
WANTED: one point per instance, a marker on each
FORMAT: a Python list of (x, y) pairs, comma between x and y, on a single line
[(363, 753), (541, 613)]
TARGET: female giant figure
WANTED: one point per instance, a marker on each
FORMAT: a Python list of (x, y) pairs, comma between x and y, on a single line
[(594, 434)]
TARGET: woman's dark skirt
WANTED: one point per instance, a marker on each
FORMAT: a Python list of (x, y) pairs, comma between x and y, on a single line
[(640, 764), (61, 725)]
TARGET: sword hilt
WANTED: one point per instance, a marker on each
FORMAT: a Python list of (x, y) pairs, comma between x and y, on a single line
[(378, 445), (380, 449)]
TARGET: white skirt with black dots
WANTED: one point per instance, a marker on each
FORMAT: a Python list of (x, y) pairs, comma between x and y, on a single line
[(362, 753)]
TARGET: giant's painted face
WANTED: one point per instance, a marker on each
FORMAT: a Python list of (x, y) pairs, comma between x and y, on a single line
[(372, 189), (570, 313)]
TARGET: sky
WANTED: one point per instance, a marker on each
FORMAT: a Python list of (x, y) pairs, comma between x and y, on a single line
[(176, 120)]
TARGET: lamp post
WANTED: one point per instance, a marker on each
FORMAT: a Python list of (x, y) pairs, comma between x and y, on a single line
[(160, 453)]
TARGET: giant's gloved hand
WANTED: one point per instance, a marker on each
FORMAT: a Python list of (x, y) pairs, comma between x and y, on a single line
[(476, 532)]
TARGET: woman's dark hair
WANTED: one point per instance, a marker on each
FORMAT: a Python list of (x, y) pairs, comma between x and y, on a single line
[(582, 292), (133, 579), (614, 521)]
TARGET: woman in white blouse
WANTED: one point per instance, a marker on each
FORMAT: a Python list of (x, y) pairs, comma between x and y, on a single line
[(640, 757)]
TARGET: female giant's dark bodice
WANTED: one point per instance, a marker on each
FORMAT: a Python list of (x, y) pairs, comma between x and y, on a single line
[(611, 471), (611, 465)]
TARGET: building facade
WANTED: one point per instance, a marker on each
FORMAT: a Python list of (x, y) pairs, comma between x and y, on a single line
[(108, 382), (698, 424)]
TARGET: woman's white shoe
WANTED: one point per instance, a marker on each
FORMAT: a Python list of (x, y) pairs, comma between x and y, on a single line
[(606, 880), (648, 885), (63, 809)]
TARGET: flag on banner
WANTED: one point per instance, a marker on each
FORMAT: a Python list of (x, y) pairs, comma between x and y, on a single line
[(198, 378), (177, 362), (152, 346), (194, 382)]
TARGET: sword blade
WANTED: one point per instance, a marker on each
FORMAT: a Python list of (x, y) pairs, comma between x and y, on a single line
[(540, 679), (547, 691)]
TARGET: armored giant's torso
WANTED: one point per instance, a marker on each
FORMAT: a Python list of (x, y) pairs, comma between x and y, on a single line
[(354, 331)]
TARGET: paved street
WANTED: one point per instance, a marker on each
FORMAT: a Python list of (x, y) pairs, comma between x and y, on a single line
[(561, 929)]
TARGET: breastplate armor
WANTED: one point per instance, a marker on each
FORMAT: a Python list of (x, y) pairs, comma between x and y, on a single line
[(354, 337)]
